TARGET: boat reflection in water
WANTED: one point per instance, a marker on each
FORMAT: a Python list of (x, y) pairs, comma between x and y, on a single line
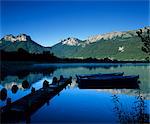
[(111, 85), (107, 81)]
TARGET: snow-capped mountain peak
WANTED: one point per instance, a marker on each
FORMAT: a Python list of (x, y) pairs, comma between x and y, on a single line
[(9, 37), (108, 36), (21, 37), (70, 41)]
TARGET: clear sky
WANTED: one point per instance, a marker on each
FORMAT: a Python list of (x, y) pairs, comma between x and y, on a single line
[(47, 22)]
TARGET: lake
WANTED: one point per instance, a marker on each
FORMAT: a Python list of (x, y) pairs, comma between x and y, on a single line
[(74, 105)]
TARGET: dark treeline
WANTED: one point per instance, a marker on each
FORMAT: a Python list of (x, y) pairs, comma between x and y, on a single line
[(46, 56), (23, 55)]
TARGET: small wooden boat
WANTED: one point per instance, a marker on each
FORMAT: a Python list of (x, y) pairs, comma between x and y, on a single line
[(98, 75), (132, 78)]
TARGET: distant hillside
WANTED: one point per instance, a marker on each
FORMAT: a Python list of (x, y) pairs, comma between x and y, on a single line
[(123, 46), (116, 45), (11, 43)]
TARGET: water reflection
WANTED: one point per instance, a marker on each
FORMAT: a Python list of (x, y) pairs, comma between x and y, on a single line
[(22, 70), (122, 105), (136, 114)]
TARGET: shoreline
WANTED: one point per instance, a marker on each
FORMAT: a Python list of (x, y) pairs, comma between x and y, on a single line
[(74, 62)]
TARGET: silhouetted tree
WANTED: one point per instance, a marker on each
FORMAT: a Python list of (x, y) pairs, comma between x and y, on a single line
[(145, 37)]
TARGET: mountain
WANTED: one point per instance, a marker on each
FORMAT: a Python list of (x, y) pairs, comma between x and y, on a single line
[(11, 43), (124, 45), (71, 41)]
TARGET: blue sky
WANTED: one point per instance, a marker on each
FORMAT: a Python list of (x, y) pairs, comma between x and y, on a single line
[(47, 22)]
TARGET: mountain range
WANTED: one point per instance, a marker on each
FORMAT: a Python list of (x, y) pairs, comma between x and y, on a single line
[(124, 45)]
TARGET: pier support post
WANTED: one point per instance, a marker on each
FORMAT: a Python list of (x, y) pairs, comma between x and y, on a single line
[(8, 101)]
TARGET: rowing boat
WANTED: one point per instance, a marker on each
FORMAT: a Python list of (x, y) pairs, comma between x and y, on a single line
[(98, 75)]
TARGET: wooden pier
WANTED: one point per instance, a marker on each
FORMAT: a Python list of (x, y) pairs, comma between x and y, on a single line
[(22, 109)]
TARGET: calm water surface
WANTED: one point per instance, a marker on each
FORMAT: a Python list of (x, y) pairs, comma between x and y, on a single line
[(81, 105)]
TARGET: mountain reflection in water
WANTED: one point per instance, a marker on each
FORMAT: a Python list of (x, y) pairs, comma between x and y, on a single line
[(123, 105)]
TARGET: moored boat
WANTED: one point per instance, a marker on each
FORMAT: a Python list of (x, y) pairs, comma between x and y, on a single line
[(99, 75)]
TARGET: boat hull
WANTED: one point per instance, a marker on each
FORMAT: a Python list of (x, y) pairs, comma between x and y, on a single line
[(99, 75)]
